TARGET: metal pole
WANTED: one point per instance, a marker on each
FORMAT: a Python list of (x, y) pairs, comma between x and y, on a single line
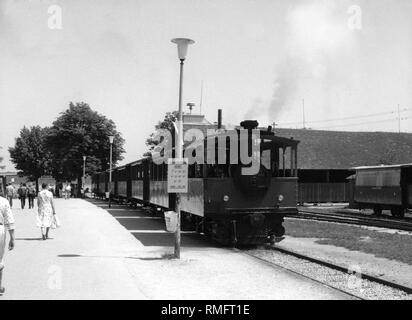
[(179, 155), (84, 174), (303, 111), (110, 175)]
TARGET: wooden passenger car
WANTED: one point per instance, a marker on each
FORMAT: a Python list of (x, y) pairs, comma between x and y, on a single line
[(384, 187)]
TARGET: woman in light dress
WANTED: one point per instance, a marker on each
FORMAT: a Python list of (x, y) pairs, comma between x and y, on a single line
[(45, 215)]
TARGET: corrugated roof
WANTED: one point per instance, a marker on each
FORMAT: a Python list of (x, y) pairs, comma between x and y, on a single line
[(343, 150)]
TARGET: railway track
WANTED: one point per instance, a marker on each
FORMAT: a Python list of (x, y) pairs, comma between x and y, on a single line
[(356, 219), (351, 282)]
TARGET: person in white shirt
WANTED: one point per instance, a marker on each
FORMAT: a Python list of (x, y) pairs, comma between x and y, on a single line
[(6, 223), (10, 194), (68, 190)]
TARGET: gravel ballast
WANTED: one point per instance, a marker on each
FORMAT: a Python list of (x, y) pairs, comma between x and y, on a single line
[(351, 283)]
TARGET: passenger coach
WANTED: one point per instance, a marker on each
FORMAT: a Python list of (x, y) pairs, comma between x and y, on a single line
[(384, 188)]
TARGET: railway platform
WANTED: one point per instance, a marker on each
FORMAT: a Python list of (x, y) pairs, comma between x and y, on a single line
[(123, 253)]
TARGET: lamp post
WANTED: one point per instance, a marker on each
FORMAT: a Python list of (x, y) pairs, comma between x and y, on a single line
[(111, 139), (182, 45), (84, 175)]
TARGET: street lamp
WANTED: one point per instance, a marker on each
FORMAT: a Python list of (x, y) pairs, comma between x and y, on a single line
[(111, 139), (84, 175), (182, 45)]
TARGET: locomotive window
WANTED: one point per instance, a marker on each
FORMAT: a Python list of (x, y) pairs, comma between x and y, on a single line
[(265, 159)]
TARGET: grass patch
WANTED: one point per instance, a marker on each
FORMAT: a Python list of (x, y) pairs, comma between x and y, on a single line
[(381, 244)]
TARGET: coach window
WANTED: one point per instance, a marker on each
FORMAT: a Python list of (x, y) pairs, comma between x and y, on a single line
[(199, 170), (152, 171), (161, 171)]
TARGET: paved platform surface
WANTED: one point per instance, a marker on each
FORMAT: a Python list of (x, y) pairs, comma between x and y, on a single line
[(121, 253)]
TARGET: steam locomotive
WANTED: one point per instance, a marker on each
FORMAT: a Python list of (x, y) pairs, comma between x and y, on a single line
[(221, 202)]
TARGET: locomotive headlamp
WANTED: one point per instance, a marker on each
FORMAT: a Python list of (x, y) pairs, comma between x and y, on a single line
[(280, 198), (226, 198)]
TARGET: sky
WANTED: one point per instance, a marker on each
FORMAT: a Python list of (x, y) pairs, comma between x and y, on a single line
[(270, 60)]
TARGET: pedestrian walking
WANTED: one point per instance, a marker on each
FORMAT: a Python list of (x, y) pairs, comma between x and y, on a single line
[(31, 194), (46, 211), (6, 223), (68, 192), (10, 194), (22, 192)]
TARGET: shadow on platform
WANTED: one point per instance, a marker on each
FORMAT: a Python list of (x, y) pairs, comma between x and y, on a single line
[(150, 229), (163, 257)]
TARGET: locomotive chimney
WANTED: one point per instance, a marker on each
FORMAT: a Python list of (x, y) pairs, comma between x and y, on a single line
[(219, 118)]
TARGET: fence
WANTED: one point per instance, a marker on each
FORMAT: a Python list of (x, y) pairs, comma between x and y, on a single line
[(324, 192)]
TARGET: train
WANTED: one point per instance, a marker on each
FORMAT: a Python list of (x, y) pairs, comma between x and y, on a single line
[(221, 202), (385, 187)]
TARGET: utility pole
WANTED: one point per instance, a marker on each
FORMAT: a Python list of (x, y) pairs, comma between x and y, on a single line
[(84, 175), (201, 98), (111, 140), (303, 112), (399, 119)]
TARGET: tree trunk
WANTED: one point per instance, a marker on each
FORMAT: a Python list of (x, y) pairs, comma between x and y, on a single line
[(37, 185)]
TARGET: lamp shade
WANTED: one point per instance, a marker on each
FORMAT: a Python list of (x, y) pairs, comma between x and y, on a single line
[(111, 139), (182, 44)]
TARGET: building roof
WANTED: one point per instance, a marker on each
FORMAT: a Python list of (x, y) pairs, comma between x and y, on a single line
[(344, 150), (198, 119), (394, 166), (8, 173)]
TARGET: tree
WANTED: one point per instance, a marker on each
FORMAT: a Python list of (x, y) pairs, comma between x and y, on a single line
[(30, 154), (79, 131), (1, 160), (166, 124)]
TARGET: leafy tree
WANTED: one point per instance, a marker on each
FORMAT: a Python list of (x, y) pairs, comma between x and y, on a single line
[(29, 154), (79, 131), (1, 160), (167, 124)]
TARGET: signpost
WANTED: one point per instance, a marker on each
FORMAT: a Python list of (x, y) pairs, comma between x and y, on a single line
[(177, 182), (177, 174)]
